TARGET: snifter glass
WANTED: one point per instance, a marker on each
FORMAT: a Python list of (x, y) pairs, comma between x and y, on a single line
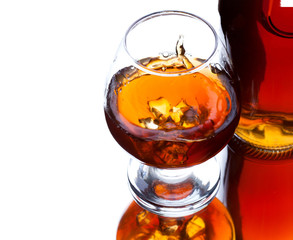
[(171, 103)]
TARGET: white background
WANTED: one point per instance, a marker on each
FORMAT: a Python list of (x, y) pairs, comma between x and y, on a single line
[(62, 176)]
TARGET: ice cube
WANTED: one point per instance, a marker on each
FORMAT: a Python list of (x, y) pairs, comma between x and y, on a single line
[(159, 236), (195, 229), (190, 118), (148, 123), (169, 225), (169, 124), (171, 153), (160, 108), (143, 218), (177, 112)]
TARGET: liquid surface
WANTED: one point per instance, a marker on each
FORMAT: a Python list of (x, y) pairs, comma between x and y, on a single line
[(213, 223)]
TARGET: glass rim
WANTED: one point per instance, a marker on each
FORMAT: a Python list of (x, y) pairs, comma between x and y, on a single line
[(150, 16)]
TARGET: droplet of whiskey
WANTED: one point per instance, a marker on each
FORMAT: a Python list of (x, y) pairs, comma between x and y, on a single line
[(165, 54)]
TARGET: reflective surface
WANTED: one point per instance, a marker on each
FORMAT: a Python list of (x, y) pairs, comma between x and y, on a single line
[(259, 196), (174, 192), (211, 223)]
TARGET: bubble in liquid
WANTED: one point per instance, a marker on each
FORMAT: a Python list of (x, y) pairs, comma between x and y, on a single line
[(165, 54)]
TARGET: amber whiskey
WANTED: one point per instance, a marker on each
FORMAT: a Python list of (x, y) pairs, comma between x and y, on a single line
[(171, 121), (211, 223)]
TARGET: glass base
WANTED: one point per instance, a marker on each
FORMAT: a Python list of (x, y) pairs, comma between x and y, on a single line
[(174, 192)]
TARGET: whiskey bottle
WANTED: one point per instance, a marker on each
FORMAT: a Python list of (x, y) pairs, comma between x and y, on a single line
[(259, 36)]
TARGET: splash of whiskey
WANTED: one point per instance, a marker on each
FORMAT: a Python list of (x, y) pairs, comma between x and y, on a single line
[(180, 52), (170, 62)]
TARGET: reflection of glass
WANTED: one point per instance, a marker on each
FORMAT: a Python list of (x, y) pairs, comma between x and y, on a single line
[(171, 103), (213, 222)]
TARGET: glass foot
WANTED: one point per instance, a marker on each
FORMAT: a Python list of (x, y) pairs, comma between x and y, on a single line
[(174, 192)]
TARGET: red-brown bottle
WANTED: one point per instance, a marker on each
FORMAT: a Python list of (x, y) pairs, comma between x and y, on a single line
[(259, 178), (259, 35)]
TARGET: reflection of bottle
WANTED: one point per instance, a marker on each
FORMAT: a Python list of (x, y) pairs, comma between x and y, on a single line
[(259, 195), (213, 222), (259, 180)]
